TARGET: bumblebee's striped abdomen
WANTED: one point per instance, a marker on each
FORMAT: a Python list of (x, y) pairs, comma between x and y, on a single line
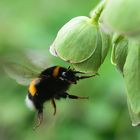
[(32, 87)]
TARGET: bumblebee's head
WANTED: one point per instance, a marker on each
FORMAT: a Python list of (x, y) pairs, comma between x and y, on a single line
[(68, 75)]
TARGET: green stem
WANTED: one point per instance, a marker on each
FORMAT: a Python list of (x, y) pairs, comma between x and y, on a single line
[(95, 15)]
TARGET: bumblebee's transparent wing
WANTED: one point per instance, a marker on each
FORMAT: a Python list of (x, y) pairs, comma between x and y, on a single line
[(24, 65), (39, 58), (22, 74)]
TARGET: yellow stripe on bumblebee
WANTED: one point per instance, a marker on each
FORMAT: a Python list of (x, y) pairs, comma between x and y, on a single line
[(56, 71), (32, 87)]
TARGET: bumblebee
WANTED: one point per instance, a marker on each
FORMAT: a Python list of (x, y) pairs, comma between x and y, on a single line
[(50, 85)]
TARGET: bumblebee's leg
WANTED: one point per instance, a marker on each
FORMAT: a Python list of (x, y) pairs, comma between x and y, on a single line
[(39, 119), (66, 95), (54, 106)]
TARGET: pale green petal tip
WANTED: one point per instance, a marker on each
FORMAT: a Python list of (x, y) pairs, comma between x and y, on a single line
[(52, 50), (135, 117), (135, 123)]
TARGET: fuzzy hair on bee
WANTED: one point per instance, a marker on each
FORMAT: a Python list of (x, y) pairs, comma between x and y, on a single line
[(50, 85)]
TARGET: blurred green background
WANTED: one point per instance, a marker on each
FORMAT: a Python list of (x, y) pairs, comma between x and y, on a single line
[(32, 25)]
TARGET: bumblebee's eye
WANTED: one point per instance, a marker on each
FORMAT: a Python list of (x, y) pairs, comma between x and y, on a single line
[(64, 74)]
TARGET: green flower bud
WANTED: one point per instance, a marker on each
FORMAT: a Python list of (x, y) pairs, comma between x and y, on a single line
[(123, 17), (75, 41), (131, 73), (81, 43), (119, 51)]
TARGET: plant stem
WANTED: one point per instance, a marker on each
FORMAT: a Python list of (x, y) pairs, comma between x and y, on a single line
[(95, 15)]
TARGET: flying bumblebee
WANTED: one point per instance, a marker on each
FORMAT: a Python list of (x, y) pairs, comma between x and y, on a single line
[(51, 84)]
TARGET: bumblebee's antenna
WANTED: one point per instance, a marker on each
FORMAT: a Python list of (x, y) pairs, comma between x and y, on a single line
[(68, 67)]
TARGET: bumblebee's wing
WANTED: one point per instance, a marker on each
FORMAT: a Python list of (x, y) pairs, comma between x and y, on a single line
[(38, 58), (22, 74)]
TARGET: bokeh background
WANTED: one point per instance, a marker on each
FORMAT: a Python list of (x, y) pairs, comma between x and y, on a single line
[(31, 26)]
